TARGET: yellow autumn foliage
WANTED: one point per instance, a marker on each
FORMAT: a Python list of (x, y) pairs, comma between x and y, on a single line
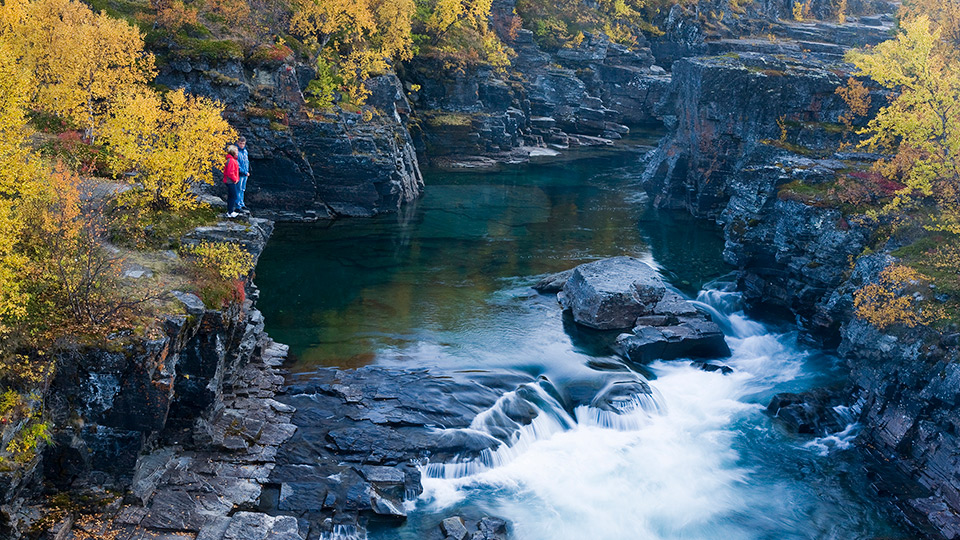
[(80, 60), (944, 14), (447, 13), (170, 141), (885, 303), (20, 180), (227, 259), (363, 36), (921, 124), (857, 98)]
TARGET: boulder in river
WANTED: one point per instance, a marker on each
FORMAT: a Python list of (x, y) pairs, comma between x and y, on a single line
[(611, 293), (690, 337), (624, 292), (710, 367)]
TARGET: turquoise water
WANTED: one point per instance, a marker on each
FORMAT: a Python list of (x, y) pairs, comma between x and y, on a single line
[(445, 285), (358, 291)]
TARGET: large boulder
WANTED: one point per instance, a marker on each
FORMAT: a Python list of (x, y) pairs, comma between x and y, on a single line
[(691, 337), (674, 329), (611, 293)]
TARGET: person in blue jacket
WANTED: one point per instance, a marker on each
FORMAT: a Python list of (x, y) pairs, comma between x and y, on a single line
[(244, 160)]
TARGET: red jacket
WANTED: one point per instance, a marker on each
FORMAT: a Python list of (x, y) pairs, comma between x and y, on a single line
[(231, 173)]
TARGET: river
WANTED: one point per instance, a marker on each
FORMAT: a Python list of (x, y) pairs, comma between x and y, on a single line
[(446, 285)]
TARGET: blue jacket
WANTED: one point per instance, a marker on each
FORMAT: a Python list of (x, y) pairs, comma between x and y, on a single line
[(244, 161)]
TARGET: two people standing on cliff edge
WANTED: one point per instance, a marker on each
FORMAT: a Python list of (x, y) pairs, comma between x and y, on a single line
[(235, 175)]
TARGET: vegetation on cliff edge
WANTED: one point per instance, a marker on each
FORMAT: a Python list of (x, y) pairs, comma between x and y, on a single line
[(76, 100), (919, 129)]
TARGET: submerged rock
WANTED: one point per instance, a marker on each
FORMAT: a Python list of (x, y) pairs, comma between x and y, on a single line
[(553, 283), (453, 527), (486, 528), (611, 293), (816, 412)]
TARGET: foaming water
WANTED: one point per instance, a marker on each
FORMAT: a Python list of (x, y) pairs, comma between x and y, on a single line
[(672, 464), (523, 418), (841, 440), (344, 532)]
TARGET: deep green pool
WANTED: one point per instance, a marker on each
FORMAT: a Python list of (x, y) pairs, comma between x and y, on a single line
[(349, 292)]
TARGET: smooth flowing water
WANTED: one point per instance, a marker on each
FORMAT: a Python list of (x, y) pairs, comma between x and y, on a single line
[(445, 286)]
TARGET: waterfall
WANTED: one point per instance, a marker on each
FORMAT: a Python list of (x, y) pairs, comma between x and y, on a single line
[(521, 418), (344, 532)]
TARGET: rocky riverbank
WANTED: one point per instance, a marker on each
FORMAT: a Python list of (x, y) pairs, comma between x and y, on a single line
[(194, 434), (754, 145), (174, 433)]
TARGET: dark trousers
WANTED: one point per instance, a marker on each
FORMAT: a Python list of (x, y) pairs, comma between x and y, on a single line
[(233, 196)]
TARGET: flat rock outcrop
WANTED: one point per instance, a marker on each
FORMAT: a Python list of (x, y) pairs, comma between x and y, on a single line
[(208, 485)]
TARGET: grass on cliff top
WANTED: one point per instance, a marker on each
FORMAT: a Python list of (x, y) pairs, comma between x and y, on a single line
[(135, 12), (809, 194), (138, 226), (449, 120), (937, 256)]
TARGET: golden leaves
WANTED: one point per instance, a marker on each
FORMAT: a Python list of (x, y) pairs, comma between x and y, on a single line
[(227, 259), (921, 124), (80, 60), (170, 141), (361, 37), (857, 98), (886, 302)]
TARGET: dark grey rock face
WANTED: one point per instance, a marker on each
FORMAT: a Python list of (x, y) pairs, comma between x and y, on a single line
[(611, 293), (722, 108), (732, 117), (327, 164), (793, 255), (787, 250), (210, 482)]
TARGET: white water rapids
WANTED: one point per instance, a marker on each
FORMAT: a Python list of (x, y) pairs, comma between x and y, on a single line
[(666, 467)]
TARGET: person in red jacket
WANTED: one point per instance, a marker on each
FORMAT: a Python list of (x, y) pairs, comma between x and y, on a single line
[(231, 177)]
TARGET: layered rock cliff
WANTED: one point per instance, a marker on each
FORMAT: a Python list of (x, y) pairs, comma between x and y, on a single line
[(169, 432), (744, 125), (302, 160), (753, 145)]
